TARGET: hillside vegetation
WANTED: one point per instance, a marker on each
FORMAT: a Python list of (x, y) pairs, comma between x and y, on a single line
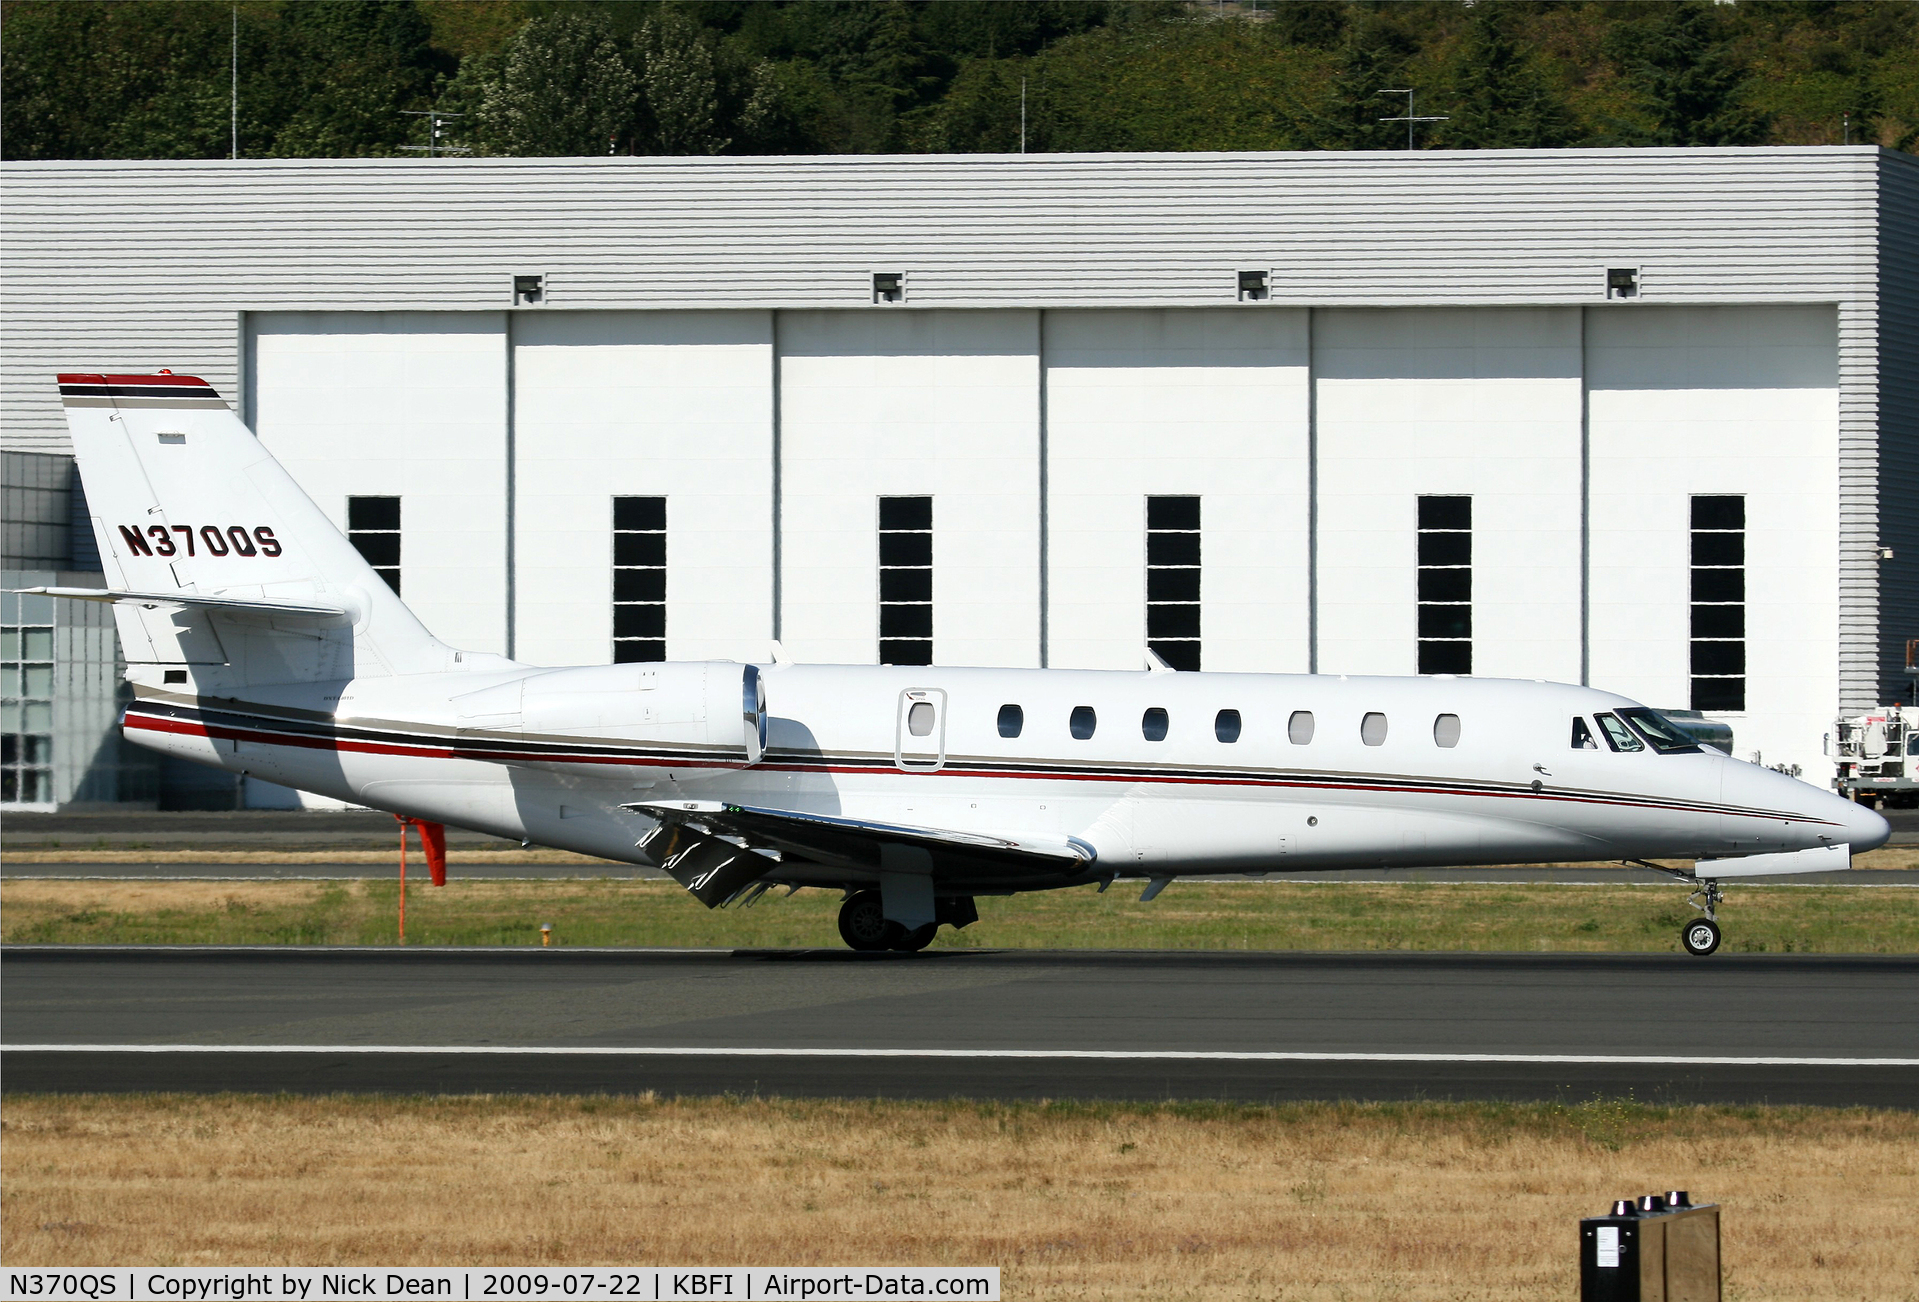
[(97, 79)]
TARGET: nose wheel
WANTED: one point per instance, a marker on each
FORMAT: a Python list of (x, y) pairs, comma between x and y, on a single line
[(1700, 937)]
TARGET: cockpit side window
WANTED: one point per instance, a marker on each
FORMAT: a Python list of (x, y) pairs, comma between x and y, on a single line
[(1618, 735), (1661, 733), (1582, 735)]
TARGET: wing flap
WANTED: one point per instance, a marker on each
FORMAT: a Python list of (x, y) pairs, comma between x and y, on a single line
[(855, 842)]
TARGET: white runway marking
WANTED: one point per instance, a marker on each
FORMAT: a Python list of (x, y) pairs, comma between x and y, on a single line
[(1114, 1055)]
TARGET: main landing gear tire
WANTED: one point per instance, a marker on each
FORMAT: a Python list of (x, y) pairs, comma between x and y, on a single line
[(912, 942), (864, 925), (1700, 937)]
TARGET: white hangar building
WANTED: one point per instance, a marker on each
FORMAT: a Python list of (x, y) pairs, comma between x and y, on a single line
[(1643, 419)]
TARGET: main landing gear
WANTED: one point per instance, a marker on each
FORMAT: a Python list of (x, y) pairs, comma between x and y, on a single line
[(864, 926), (1701, 935)]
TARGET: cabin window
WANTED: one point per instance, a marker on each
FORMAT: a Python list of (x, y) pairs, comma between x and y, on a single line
[(639, 579), (1083, 722), (919, 719), (1618, 735), (373, 527), (1445, 585), (1299, 728), (1446, 731), (1226, 725), (906, 580), (1718, 603), (1582, 735), (1011, 720), (1372, 729), (1172, 580), (1152, 724)]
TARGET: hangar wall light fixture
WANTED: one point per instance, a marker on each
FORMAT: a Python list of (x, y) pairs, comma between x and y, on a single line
[(1254, 287), (889, 287), (529, 290), (1622, 282)]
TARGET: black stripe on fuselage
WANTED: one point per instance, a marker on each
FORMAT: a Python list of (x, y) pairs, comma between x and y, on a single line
[(269, 726)]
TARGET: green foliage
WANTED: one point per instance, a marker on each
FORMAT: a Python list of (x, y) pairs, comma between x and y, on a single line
[(331, 78), (1503, 98), (563, 87), (1689, 83)]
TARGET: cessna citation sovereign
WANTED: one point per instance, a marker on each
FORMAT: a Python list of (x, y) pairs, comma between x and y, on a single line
[(257, 639)]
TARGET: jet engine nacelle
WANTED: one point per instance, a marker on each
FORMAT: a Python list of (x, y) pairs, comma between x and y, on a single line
[(712, 711)]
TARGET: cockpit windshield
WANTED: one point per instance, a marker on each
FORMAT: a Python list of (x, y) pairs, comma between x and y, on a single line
[(1661, 733)]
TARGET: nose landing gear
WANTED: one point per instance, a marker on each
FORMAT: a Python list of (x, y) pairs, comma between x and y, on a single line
[(1701, 935)]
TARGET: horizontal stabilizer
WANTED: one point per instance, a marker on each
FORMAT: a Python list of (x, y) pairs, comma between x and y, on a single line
[(852, 841), (194, 600), (1822, 859)]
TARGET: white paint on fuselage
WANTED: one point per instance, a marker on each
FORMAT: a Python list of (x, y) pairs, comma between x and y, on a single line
[(1190, 803)]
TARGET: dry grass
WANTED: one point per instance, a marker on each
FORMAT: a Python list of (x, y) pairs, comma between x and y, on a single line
[(1193, 915), (1328, 1201)]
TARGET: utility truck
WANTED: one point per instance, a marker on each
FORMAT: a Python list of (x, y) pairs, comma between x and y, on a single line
[(1878, 756)]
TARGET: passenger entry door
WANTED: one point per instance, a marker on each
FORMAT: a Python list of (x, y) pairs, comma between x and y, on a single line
[(919, 744)]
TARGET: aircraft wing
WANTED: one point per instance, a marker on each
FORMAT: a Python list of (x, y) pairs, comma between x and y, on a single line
[(689, 829)]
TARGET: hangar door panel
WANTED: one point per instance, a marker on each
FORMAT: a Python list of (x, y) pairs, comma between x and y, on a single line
[(1477, 405), (670, 412), (1208, 403), (400, 404), (917, 404), (1739, 404)]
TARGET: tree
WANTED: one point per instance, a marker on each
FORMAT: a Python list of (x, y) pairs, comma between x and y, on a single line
[(1686, 79), (1503, 100), (562, 88), (1372, 58), (681, 88)]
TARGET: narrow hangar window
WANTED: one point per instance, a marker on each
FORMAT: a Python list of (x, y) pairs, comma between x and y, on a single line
[(906, 580), (639, 579), (1172, 580), (1445, 585), (373, 527), (1718, 603), (26, 681)]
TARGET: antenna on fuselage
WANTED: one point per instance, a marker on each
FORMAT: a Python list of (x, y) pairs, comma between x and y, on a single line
[(1155, 664)]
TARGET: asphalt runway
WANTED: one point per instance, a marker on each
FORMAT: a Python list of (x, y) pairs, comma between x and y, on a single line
[(1800, 1029)]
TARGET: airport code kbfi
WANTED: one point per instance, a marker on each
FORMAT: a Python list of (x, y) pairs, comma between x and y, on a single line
[(310, 1284)]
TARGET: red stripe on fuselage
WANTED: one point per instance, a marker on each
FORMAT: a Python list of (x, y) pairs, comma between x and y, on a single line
[(156, 723)]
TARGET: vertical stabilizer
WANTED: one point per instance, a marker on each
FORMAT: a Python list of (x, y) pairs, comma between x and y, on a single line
[(185, 500)]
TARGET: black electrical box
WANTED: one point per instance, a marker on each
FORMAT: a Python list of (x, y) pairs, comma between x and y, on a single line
[(1659, 1248)]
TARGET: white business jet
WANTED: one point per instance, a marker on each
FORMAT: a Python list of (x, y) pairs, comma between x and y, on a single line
[(257, 639)]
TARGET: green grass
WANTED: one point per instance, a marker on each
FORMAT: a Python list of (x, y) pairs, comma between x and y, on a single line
[(1194, 915)]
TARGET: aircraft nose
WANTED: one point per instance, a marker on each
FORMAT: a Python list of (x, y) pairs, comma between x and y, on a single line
[(1866, 829)]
